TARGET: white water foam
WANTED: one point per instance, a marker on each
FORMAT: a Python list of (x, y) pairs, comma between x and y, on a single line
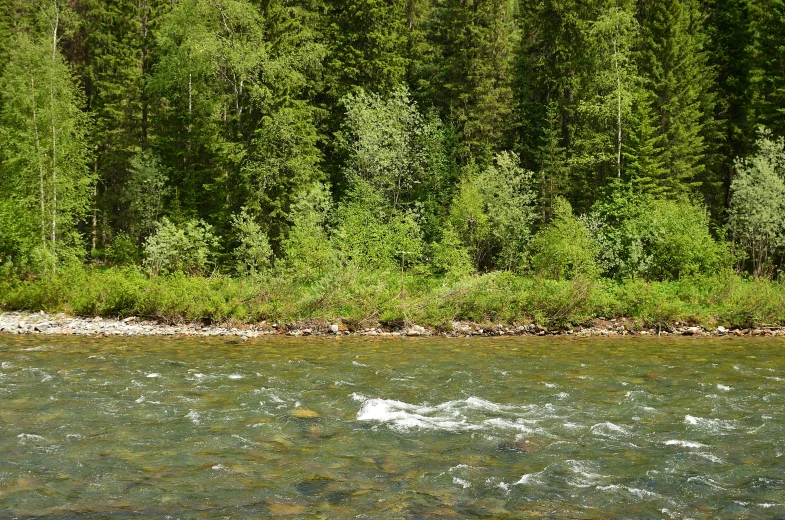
[(712, 425), (194, 416), (724, 388), (636, 492), (235, 376), (468, 414), (464, 483), (608, 429), (24, 438), (684, 444), (153, 375)]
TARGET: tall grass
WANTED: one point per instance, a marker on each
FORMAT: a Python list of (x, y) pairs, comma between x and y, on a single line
[(360, 298)]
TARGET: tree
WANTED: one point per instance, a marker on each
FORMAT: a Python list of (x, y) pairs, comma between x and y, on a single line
[(478, 38), (769, 49), (494, 212), (390, 145), (732, 47), (46, 155), (145, 193), (112, 49), (757, 214), (674, 60), (368, 42)]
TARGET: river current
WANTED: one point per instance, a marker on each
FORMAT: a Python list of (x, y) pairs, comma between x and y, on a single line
[(408, 428)]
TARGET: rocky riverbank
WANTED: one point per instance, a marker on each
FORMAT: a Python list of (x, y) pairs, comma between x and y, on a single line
[(60, 324)]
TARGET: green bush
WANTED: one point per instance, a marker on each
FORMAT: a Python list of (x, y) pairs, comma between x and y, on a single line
[(757, 216), (253, 251), (373, 236), (565, 249), (494, 211), (640, 236), (308, 252), (189, 249)]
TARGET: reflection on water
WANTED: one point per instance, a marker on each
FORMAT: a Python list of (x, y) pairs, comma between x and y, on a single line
[(338, 428)]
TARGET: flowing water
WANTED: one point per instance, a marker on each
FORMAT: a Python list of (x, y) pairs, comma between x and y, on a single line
[(417, 428)]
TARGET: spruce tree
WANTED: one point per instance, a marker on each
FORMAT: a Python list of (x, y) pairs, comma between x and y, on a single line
[(368, 45), (732, 45), (769, 77), (478, 38), (674, 60)]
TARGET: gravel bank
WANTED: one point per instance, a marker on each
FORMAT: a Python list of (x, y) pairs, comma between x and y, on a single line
[(59, 324)]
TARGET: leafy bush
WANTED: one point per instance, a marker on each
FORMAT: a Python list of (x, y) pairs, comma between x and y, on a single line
[(307, 249), (565, 249), (188, 249), (675, 241), (640, 236), (253, 251), (494, 211), (450, 256), (757, 215), (372, 236)]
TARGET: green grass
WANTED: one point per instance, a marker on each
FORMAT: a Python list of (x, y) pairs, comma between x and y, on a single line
[(361, 298)]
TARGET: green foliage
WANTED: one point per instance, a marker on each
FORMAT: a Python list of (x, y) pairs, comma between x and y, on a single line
[(308, 252), (253, 252), (371, 236), (640, 236), (450, 256), (188, 249), (44, 178), (477, 40), (387, 142), (144, 193), (564, 249), (757, 216), (494, 211)]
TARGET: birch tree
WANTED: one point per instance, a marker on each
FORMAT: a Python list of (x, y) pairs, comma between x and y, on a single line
[(46, 181)]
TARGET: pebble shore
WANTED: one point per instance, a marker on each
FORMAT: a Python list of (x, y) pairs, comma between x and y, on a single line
[(60, 324)]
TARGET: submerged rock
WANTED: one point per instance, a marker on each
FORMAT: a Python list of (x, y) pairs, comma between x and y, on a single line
[(304, 413)]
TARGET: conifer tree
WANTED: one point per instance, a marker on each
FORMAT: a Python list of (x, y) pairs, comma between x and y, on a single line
[(368, 41), (769, 77), (675, 62), (478, 38), (732, 45)]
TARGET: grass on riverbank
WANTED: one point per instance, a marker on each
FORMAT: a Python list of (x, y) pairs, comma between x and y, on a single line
[(362, 299)]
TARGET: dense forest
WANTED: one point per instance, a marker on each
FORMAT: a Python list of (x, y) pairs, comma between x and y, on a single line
[(624, 139)]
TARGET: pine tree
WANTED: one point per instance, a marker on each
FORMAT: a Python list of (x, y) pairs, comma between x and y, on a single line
[(674, 59), (478, 38), (732, 46), (769, 77)]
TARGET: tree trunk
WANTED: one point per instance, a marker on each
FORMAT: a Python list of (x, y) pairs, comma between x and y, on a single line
[(54, 133)]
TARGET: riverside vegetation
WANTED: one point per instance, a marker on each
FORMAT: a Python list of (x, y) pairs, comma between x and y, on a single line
[(384, 163)]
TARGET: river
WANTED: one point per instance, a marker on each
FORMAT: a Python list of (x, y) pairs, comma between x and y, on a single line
[(408, 428)]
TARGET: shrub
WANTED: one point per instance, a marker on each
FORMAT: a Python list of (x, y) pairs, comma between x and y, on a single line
[(307, 250), (450, 256), (372, 236), (757, 216), (565, 249), (640, 236), (253, 251), (494, 211), (188, 249)]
